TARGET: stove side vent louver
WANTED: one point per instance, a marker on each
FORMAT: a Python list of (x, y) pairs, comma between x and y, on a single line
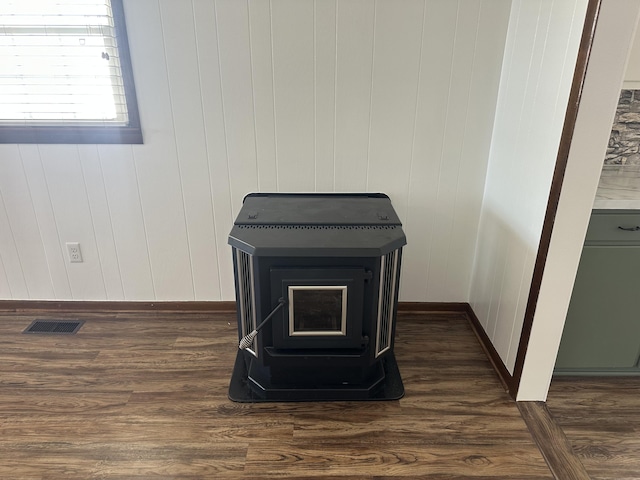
[(386, 301), (246, 294)]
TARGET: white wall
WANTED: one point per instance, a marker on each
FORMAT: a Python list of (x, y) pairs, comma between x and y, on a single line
[(542, 45), (288, 95), (613, 38)]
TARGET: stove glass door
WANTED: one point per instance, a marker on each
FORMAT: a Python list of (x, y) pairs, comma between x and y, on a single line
[(324, 307), (317, 310)]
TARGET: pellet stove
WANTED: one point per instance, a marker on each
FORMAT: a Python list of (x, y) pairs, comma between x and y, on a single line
[(316, 279)]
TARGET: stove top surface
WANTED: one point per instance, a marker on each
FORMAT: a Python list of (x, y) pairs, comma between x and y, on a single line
[(317, 224), (317, 209)]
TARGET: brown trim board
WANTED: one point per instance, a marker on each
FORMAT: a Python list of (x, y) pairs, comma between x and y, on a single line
[(108, 306), (431, 307), (584, 51), (191, 306), (490, 351)]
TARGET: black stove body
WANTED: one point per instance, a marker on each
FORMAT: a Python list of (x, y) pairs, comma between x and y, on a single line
[(333, 261)]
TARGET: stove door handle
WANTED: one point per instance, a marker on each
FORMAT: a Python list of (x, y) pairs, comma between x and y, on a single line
[(247, 340)]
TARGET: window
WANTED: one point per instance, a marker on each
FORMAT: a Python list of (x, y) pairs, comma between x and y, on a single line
[(65, 73)]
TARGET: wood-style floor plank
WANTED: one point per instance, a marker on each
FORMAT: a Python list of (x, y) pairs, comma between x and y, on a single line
[(601, 419), (552, 442), (144, 395)]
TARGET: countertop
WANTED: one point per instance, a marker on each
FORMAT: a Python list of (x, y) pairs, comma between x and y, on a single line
[(619, 188)]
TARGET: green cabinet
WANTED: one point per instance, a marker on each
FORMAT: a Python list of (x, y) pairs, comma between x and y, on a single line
[(602, 330)]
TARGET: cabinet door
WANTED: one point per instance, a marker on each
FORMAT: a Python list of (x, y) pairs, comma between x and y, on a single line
[(602, 330)]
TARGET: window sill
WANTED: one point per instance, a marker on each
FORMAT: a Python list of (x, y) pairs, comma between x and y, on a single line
[(71, 135)]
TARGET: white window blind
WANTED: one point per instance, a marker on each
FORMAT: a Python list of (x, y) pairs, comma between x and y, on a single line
[(59, 64)]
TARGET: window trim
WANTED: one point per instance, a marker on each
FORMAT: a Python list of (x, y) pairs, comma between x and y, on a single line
[(97, 134)]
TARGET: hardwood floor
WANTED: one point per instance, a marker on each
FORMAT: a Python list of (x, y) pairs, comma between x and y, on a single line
[(552, 442), (144, 395), (601, 419)]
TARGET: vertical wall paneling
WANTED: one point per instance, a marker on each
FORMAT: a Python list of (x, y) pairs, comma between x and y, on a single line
[(491, 234), (503, 171), (549, 100), (534, 115), (324, 43), (156, 162), (396, 59), (490, 34), (289, 95), (68, 195), (524, 82), (542, 44), (428, 138), (496, 280), (453, 124), (354, 52), (12, 267), (511, 278), (562, 26), (440, 266), (232, 25), (48, 227), (22, 225), (101, 221), (9, 282), (263, 104), (479, 295), (215, 138), (5, 286), (293, 64), (516, 329), (186, 106), (118, 172)]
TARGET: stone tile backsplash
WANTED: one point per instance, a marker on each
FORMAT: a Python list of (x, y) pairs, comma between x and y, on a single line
[(624, 143)]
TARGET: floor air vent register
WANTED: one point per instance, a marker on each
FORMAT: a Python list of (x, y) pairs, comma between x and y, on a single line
[(54, 327), (316, 279)]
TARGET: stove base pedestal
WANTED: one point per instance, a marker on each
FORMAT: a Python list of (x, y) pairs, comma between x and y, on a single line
[(250, 385)]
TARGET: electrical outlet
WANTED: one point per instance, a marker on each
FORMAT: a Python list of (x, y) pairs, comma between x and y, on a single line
[(73, 249)]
